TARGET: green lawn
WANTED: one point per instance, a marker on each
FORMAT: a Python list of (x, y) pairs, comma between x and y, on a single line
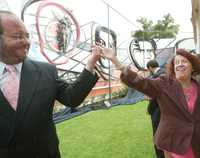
[(119, 132)]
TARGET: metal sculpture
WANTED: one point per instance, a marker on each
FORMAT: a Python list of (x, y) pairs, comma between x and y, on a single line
[(103, 65), (187, 43), (142, 50), (58, 38)]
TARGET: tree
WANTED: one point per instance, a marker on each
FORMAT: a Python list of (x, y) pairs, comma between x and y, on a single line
[(165, 28)]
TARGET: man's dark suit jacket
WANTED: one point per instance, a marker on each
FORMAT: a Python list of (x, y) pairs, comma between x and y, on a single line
[(154, 110), (153, 105), (29, 132), (178, 128)]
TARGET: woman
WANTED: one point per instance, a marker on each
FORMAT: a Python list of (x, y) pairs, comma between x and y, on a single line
[(177, 93)]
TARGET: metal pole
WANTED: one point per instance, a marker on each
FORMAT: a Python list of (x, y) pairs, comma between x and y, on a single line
[(109, 68)]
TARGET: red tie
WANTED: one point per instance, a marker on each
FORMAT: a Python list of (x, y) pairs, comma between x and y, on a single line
[(10, 87)]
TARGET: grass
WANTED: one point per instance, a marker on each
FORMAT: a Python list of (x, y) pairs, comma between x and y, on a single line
[(119, 132)]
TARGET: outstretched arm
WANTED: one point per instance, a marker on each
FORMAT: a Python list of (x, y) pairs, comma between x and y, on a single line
[(110, 55), (130, 76)]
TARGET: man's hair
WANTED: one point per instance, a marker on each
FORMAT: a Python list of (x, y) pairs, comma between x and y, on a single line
[(152, 63), (3, 12)]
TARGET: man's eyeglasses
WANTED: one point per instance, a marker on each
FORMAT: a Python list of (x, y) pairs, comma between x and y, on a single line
[(18, 36)]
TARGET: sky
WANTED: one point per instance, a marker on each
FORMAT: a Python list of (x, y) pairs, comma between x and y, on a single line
[(97, 10), (120, 15)]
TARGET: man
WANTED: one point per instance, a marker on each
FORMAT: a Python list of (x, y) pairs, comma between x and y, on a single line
[(26, 126), (153, 108)]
